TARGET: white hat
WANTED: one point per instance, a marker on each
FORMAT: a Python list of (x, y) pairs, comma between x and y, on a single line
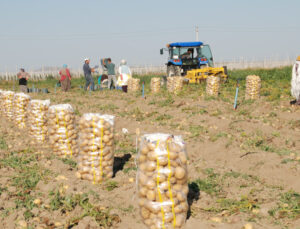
[(85, 59), (123, 62)]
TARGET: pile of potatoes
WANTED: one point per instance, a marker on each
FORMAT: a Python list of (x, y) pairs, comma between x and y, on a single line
[(253, 84), (21, 102), (175, 84), (133, 85), (7, 103), (155, 85), (96, 147), (162, 181), (37, 119), (212, 85), (62, 130)]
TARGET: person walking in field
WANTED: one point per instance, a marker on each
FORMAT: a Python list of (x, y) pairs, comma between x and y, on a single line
[(87, 70), (65, 78), (111, 73), (23, 78), (295, 82), (124, 75)]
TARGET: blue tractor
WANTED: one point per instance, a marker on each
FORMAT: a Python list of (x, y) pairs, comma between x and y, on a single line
[(186, 56)]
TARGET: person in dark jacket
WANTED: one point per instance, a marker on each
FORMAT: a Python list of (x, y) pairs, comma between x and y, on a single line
[(87, 70)]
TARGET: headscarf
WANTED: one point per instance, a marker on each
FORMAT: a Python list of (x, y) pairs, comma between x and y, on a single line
[(123, 62)]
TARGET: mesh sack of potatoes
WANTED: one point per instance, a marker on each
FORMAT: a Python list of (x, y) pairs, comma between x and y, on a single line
[(162, 181), (212, 85), (37, 119), (62, 130), (155, 85), (96, 147), (8, 97), (253, 84), (177, 84), (20, 102), (170, 84), (133, 85)]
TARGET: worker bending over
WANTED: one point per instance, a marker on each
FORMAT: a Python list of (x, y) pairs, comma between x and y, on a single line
[(23, 78)]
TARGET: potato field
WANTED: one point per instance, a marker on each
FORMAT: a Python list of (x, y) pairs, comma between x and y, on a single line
[(241, 168)]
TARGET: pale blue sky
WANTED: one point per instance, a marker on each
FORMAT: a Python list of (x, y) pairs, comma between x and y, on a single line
[(56, 32)]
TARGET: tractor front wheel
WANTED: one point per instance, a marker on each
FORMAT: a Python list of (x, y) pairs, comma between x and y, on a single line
[(173, 70)]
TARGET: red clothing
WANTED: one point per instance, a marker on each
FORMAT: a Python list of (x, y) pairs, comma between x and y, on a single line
[(64, 73)]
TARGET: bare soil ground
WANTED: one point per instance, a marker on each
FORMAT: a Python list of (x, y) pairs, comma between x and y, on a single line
[(244, 165)]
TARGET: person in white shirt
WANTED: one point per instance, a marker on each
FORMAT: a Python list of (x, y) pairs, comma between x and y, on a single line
[(124, 75), (295, 82)]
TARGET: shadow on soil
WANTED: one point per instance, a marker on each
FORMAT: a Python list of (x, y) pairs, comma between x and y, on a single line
[(193, 195), (119, 163)]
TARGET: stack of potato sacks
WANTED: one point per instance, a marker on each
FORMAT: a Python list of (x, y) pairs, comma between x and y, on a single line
[(21, 102), (212, 85), (175, 84), (37, 119), (96, 147), (162, 181), (133, 85), (62, 130), (253, 84), (155, 85), (7, 104)]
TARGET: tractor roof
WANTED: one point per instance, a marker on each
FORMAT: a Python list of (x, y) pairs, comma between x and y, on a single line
[(186, 44)]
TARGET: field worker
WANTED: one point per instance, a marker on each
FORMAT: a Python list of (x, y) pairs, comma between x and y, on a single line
[(111, 73), (65, 78), (89, 81), (295, 82), (125, 75), (23, 78)]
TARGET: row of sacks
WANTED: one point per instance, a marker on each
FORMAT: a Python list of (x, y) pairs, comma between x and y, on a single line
[(162, 160), (175, 85)]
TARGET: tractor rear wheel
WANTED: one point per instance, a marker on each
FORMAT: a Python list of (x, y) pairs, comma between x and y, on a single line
[(173, 70)]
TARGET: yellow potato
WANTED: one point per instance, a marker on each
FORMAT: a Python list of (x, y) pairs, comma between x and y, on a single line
[(179, 173), (142, 201), (144, 150), (182, 157), (151, 195), (142, 158), (145, 213), (151, 166), (150, 184)]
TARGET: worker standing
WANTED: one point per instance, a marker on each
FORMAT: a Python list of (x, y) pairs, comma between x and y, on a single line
[(295, 82), (65, 78), (125, 75), (23, 78), (89, 81), (111, 73)]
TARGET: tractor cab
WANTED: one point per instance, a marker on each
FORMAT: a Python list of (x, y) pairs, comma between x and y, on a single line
[(185, 56)]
